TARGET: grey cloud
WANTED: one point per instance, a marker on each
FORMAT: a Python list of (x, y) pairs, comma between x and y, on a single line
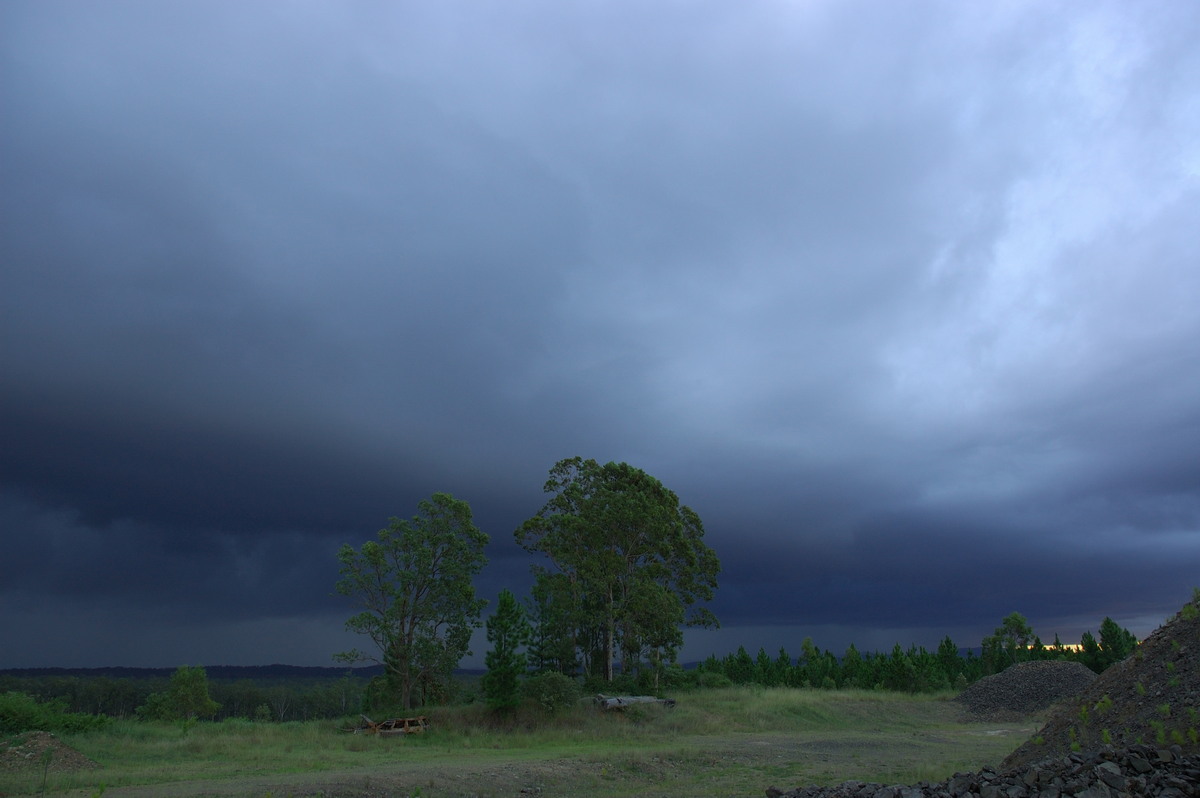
[(900, 299)]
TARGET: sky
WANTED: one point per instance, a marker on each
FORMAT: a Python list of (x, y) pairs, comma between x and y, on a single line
[(903, 298)]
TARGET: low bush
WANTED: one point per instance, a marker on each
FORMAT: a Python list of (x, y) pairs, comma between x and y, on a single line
[(713, 680), (20, 712), (553, 692)]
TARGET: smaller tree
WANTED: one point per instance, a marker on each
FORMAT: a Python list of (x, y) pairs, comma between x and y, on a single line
[(1116, 643), (1009, 644), (507, 631), (950, 661), (186, 699), (1089, 652), (552, 642), (418, 605), (899, 671)]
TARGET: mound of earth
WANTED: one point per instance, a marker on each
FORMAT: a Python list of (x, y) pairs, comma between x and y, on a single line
[(36, 750), (1025, 688), (1151, 698)]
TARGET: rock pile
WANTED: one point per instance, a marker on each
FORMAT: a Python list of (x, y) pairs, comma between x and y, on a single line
[(1024, 688), (1106, 773), (1151, 697)]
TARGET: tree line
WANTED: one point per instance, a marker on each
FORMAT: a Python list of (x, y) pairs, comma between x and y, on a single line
[(189, 695), (280, 700), (915, 669)]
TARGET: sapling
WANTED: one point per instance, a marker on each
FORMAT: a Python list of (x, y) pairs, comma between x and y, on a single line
[(47, 756)]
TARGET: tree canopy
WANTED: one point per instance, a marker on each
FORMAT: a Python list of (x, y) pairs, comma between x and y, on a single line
[(414, 585), (629, 567), (186, 699), (1010, 643)]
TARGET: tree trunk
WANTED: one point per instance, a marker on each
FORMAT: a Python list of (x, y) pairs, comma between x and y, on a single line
[(610, 640)]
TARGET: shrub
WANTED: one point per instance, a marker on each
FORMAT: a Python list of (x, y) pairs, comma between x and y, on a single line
[(674, 677), (20, 712), (1190, 611), (553, 692), (712, 679)]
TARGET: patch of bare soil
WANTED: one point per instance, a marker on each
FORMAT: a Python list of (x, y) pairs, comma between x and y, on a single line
[(38, 750)]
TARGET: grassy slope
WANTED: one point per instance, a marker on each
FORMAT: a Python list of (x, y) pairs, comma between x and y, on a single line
[(722, 742)]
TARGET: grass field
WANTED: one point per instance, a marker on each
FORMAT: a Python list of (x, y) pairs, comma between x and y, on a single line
[(735, 742)]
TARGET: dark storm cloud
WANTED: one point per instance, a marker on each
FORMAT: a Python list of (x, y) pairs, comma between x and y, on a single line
[(902, 299)]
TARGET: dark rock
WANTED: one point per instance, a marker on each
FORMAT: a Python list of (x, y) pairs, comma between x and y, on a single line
[(1109, 773)]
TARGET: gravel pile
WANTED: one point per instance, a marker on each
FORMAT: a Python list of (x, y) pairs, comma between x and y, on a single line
[(1151, 697), (1024, 688), (1139, 770)]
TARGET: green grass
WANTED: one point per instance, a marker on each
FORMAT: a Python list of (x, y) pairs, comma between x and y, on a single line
[(727, 741)]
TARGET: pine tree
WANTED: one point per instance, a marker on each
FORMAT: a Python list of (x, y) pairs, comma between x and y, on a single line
[(507, 631), (1089, 652), (1116, 643)]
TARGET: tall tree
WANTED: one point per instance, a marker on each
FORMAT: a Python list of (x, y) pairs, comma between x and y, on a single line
[(632, 560), (507, 631), (414, 585)]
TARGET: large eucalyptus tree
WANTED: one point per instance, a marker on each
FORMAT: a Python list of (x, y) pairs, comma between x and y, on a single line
[(629, 566)]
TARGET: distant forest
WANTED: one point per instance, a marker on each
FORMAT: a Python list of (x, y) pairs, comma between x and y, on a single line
[(266, 693), (279, 693)]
